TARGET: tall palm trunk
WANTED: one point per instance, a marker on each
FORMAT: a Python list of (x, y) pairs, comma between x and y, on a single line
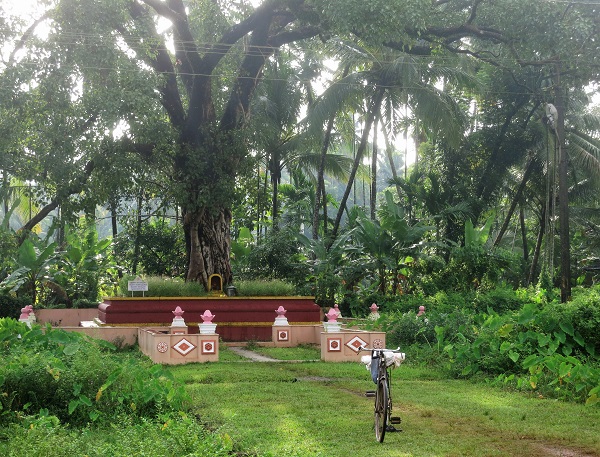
[(538, 246), (375, 105), (321, 192), (515, 200), (388, 153), (321, 182), (373, 202)]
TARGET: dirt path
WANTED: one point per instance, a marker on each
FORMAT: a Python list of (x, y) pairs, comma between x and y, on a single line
[(251, 355)]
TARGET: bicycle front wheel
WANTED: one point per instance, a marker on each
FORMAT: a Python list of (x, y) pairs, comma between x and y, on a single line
[(381, 409)]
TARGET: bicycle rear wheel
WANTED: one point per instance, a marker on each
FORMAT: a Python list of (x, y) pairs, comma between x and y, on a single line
[(381, 409)]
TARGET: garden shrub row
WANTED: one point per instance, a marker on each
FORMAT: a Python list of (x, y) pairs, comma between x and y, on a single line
[(552, 348)]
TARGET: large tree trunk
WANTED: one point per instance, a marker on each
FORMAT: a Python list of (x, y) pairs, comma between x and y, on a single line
[(210, 244), (563, 196)]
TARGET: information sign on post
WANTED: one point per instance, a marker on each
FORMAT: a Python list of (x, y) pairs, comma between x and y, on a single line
[(137, 285)]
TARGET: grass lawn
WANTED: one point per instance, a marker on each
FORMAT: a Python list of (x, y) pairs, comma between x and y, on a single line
[(319, 409)]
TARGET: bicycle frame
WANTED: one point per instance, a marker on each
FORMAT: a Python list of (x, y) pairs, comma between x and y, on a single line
[(381, 375)]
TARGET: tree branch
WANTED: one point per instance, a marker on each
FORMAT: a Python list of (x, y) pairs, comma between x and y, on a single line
[(27, 35), (74, 187), (160, 61)]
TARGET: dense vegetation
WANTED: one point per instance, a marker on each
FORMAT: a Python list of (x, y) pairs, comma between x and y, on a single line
[(53, 383), (414, 153)]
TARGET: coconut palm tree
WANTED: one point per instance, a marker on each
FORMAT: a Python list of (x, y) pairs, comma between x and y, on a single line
[(378, 78)]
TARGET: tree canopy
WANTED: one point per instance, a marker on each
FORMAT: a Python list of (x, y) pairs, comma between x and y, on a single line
[(102, 98)]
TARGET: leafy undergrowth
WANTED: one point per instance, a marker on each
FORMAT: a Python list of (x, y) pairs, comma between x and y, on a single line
[(178, 435)]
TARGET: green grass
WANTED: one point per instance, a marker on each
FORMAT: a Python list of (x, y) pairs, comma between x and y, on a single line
[(319, 409), (312, 409)]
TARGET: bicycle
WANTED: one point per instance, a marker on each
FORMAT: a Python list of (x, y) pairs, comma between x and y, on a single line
[(380, 363)]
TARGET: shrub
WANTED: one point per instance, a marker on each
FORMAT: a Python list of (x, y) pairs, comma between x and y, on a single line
[(277, 256), (432, 329), (165, 287), (171, 435), (262, 288), (11, 306), (78, 380), (500, 300), (582, 315)]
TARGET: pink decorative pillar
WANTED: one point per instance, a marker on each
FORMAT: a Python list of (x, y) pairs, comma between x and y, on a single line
[(178, 327), (281, 333), (281, 319), (332, 325), (27, 316), (337, 310), (207, 327), (374, 312)]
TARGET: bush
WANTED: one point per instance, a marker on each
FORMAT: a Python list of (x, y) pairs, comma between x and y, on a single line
[(582, 314), (278, 256), (164, 287), (78, 380), (431, 329), (11, 306), (264, 288), (40, 436), (500, 300)]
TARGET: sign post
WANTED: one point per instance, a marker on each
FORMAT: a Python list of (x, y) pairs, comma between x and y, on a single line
[(137, 285)]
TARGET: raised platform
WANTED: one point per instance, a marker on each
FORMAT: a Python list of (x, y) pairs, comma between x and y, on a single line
[(237, 318)]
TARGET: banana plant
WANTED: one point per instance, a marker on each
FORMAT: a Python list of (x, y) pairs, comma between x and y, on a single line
[(33, 269), (83, 265)]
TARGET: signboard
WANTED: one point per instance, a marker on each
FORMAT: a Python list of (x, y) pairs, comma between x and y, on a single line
[(137, 285)]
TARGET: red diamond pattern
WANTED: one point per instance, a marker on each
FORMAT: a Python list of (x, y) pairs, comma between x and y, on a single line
[(184, 347), (356, 343)]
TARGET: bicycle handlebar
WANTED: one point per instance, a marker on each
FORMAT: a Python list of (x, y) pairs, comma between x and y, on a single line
[(366, 349)]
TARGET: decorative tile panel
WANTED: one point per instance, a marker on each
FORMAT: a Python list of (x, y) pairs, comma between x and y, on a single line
[(162, 347), (356, 343), (334, 344), (283, 335), (209, 347), (184, 347)]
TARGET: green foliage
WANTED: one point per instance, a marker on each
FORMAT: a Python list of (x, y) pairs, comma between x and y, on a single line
[(514, 347), (499, 299), (160, 250), (164, 287), (10, 306), (513, 336), (32, 269), (78, 380), (277, 256), (84, 267), (326, 263), (470, 268), (163, 436), (8, 247), (581, 314), (261, 288)]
